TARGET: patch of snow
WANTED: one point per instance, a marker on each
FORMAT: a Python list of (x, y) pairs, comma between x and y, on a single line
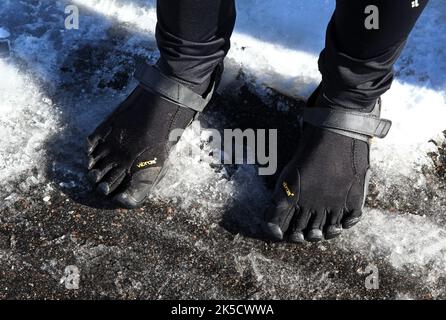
[(405, 240), (142, 16), (4, 33), (26, 122)]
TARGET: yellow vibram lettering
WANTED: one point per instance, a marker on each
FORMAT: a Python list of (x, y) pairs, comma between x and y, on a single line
[(289, 193), (143, 164)]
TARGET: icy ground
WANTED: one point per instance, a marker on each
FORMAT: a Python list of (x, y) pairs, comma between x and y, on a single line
[(199, 235)]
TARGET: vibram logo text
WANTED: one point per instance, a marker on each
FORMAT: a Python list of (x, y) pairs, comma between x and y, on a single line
[(289, 193), (143, 164)]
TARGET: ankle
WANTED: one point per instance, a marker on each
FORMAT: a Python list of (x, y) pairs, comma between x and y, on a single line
[(203, 87), (340, 100)]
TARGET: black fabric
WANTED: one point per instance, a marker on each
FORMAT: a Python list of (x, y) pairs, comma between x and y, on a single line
[(153, 79), (357, 63), (129, 148), (396, 20), (360, 125), (193, 36)]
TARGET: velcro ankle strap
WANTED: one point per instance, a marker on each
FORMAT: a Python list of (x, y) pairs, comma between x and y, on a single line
[(350, 123), (151, 78)]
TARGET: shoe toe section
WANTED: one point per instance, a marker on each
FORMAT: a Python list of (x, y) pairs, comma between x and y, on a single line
[(126, 200), (91, 142), (277, 219), (333, 227), (333, 231), (316, 225), (273, 231), (101, 169), (314, 235), (100, 152), (111, 181), (300, 223), (348, 223), (139, 187), (297, 237), (351, 218)]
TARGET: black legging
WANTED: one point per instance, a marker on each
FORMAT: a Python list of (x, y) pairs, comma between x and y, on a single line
[(193, 36)]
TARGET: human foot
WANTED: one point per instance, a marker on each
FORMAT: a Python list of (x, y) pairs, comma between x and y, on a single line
[(322, 189), (128, 149)]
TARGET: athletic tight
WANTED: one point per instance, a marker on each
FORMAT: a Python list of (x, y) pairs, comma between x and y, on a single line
[(193, 37)]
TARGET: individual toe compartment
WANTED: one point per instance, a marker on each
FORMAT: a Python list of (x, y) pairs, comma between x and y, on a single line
[(100, 170), (300, 223), (351, 218), (100, 152), (277, 219), (99, 134), (138, 187), (333, 227), (316, 225), (111, 180)]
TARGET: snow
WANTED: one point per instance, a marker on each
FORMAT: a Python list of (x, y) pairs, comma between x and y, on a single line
[(265, 49), (405, 240), (3, 33), (27, 119)]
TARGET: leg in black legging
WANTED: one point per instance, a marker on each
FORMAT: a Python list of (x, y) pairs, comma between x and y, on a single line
[(322, 189), (193, 36), (357, 62)]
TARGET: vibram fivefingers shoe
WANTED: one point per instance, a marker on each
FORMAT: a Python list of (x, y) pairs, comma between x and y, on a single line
[(322, 190), (127, 151)]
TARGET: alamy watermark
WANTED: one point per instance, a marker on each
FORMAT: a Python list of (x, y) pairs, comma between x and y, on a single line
[(71, 278), (72, 18), (236, 146), (372, 280), (372, 20)]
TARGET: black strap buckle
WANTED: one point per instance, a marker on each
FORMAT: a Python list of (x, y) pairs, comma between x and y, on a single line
[(151, 78), (349, 122)]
